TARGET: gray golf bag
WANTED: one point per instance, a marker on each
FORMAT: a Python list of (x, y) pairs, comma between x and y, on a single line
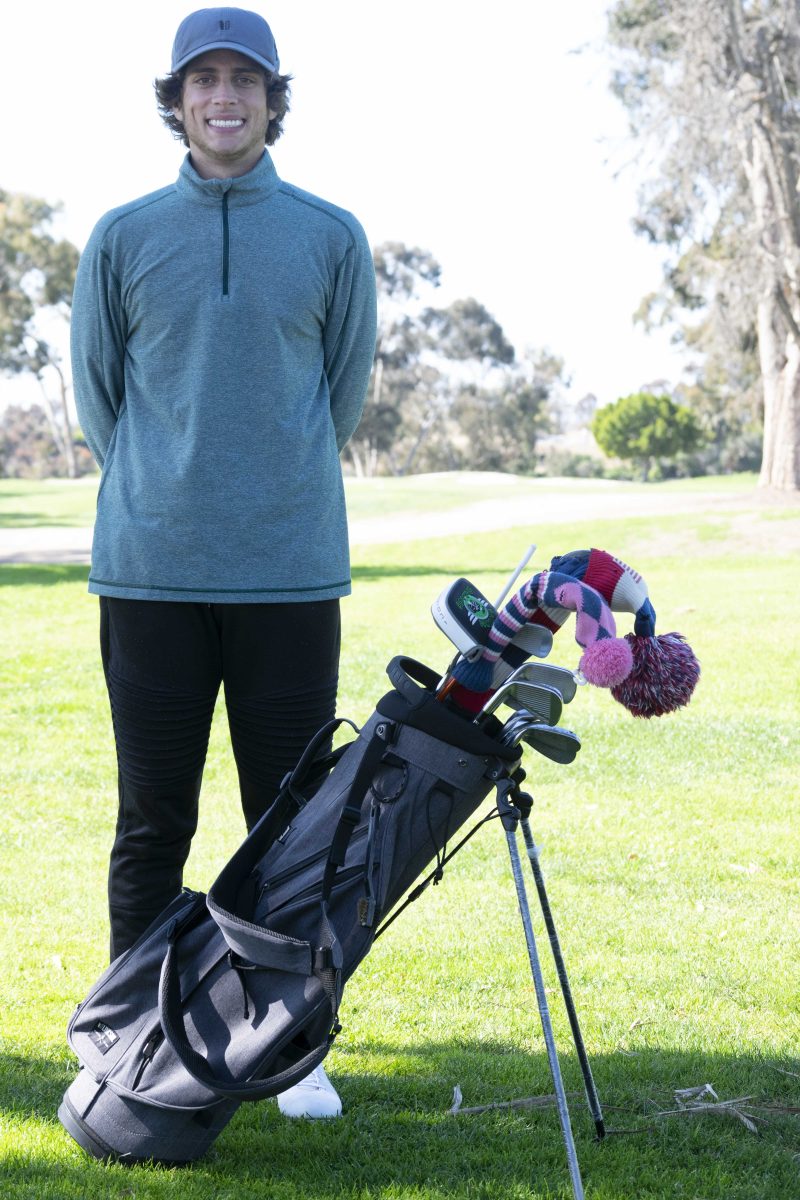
[(235, 995)]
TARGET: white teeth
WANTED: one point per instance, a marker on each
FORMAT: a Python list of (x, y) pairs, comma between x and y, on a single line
[(220, 123)]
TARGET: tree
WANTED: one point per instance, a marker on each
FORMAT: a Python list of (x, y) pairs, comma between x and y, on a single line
[(436, 369), (27, 449), (499, 426), (644, 427), (714, 87), (37, 275), (402, 274)]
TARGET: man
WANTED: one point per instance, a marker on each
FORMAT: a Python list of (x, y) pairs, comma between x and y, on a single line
[(222, 337)]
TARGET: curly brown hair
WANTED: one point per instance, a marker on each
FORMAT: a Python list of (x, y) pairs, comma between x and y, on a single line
[(170, 89)]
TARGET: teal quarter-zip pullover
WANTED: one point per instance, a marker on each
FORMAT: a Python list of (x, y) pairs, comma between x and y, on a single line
[(223, 332)]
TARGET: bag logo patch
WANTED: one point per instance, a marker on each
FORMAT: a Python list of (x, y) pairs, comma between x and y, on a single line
[(103, 1037)]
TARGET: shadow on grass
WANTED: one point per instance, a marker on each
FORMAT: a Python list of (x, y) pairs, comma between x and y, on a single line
[(28, 574), (397, 1137), (49, 573)]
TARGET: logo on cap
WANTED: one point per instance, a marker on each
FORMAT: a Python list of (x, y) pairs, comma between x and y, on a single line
[(224, 24)]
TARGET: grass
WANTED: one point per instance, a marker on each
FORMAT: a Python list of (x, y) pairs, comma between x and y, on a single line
[(25, 503), (671, 860)]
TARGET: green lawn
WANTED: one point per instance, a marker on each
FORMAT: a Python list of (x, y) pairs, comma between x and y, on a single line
[(25, 503), (672, 860)]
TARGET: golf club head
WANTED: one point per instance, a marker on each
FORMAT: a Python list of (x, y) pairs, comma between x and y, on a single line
[(543, 702), (516, 725), (560, 745), (532, 641), (548, 675), (464, 615)]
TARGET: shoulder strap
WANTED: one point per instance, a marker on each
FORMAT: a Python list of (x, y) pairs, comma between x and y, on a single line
[(253, 942)]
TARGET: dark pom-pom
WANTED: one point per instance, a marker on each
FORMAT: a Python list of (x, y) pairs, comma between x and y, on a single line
[(663, 677)]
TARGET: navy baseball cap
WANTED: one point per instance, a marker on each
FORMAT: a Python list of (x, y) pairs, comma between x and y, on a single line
[(225, 29)]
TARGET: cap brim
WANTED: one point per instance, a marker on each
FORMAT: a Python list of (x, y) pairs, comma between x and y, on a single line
[(248, 53)]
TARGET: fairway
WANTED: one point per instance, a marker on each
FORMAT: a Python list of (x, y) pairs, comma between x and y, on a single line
[(669, 848)]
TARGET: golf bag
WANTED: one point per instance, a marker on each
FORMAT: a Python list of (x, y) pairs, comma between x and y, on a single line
[(235, 995)]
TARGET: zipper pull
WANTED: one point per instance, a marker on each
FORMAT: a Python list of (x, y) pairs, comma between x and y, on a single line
[(368, 904), (148, 1054)]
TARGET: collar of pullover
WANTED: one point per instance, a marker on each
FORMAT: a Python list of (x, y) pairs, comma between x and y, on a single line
[(252, 188)]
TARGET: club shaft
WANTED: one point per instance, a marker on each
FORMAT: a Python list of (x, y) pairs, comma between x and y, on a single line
[(544, 1014), (592, 1098), (515, 574)]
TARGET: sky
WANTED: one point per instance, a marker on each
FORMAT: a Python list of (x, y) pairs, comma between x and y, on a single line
[(484, 133)]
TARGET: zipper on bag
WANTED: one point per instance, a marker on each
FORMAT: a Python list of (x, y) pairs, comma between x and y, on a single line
[(277, 880), (148, 1054), (367, 904)]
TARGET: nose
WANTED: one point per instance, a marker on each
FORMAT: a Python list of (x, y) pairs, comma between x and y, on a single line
[(224, 92)]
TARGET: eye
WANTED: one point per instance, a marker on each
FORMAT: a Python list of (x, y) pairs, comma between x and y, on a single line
[(246, 80)]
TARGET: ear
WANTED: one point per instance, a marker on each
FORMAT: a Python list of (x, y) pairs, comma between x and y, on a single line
[(272, 114)]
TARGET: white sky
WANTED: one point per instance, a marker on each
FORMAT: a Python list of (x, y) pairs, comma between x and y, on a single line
[(467, 128)]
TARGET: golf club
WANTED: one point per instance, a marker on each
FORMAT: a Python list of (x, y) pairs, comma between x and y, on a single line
[(465, 616), (563, 680), (542, 701), (557, 744)]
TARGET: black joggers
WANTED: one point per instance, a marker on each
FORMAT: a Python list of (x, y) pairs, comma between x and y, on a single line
[(163, 663)]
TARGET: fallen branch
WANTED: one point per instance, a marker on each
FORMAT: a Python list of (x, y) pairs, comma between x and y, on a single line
[(456, 1109), (690, 1104)]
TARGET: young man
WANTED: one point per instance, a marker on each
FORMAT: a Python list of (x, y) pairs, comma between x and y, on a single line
[(222, 337)]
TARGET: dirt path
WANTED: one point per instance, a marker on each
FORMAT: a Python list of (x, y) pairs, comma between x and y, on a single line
[(768, 521)]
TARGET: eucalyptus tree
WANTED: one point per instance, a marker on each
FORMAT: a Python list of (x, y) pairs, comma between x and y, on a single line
[(37, 274), (713, 89), (425, 358), (405, 275)]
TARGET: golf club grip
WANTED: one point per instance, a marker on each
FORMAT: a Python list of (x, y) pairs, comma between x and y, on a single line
[(446, 688)]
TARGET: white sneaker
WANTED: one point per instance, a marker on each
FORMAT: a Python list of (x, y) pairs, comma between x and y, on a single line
[(314, 1097)]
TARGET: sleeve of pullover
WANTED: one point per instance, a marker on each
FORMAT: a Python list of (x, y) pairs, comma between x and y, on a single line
[(97, 347), (349, 337)]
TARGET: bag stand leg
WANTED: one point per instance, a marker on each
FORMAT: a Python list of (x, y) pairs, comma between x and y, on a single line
[(510, 817), (592, 1098)]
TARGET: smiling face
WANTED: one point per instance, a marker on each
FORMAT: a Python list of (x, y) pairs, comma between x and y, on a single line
[(224, 112)]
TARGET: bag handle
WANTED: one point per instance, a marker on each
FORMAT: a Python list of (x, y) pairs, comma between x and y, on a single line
[(171, 1012), (406, 674)]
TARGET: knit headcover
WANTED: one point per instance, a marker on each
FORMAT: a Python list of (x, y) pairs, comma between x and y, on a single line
[(623, 588), (606, 660), (665, 670), (648, 675)]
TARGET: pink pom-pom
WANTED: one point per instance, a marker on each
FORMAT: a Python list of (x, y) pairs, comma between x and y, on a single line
[(608, 662), (663, 677)]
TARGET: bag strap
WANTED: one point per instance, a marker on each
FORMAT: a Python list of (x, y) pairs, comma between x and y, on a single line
[(172, 1022), (255, 943), (328, 957)]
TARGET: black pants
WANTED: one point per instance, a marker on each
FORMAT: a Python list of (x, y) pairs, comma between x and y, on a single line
[(164, 663)]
